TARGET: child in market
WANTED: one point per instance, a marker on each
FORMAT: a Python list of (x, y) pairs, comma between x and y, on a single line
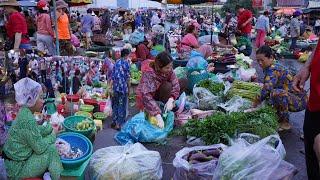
[(277, 88), (120, 82)]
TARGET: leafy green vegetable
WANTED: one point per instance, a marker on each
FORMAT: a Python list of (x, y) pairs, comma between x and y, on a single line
[(135, 74), (213, 87), (219, 127), (246, 90)]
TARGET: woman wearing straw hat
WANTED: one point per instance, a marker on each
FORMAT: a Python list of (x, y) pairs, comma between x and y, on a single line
[(16, 26), (63, 25)]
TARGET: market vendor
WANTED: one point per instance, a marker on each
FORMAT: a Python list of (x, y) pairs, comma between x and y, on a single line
[(30, 148), (159, 84), (277, 88), (160, 38), (190, 42)]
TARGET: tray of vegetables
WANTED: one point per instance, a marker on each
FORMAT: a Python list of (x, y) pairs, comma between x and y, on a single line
[(214, 87), (100, 115), (247, 90)]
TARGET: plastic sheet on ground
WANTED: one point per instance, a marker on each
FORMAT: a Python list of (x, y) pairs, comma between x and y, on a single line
[(253, 161), (132, 161), (139, 129), (200, 171)]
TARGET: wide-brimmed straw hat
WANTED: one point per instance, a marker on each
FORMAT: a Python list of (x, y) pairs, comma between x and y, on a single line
[(9, 3), (61, 4)]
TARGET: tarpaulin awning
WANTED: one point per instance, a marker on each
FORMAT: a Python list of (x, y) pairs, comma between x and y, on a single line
[(290, 3), (286, 11), (186, 2)]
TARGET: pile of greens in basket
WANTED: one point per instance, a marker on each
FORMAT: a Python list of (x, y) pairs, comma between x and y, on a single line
[(247, 90), (214, 87), (219, 127)]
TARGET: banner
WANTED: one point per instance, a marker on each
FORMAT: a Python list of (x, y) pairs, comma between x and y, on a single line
[(257, 3)]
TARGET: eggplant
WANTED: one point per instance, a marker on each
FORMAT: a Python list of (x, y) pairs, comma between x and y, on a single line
[(198, 156), (212, 152), (194, 162)]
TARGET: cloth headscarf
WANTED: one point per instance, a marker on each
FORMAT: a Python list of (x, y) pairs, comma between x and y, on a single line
[(27, 92)]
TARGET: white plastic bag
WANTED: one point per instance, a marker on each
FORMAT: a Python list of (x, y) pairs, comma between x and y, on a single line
[(250, 161), (205, 99), (246, 74), (108, 108), (186, 170), (56, 121), (132, 161)]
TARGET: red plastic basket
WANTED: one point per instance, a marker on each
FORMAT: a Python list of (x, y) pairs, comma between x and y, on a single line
[(90, 102), (73, 98)]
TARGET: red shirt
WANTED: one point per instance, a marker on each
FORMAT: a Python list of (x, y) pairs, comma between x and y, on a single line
[(242, 18), (17, 24), (314, 99)]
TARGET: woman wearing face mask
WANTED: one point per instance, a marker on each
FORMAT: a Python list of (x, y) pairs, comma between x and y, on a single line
[(30, 148), (277, 88), (158, 84), (45, 31), (16, 27)]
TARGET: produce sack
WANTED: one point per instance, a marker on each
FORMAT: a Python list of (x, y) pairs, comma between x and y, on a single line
[(252, 161), (197, 61), (132, 161), (205, 99), (197, 162), (139, 129)]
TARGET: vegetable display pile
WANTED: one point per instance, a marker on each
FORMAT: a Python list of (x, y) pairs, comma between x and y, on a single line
[(219, 127), (66, 151), (200, 156), (246, 90), (135, 74), (84, 125), (213, 87)]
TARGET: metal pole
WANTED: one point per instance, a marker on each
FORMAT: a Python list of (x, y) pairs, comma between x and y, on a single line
[(55, 26), (212, 23)]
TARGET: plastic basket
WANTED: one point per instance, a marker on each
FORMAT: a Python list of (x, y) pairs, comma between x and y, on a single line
[(81, 142), (71, 122), (86, 108), (84, 114), (100, 116)]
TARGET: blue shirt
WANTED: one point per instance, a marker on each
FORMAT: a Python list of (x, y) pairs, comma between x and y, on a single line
[(120, 76), (263, 23), (87, 23)]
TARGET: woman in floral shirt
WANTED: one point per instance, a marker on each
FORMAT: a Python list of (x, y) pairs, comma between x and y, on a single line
[(277, 88), (158, 84)]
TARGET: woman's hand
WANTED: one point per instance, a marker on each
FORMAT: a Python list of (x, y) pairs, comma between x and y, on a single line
[(169, 105), (160, 122), (300, 79), (256, 103)]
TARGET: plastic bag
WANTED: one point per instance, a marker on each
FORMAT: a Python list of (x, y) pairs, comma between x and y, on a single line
[(132, 161), (203, 170), (250, 161), (236, 104), (181, 72), (56, 121), (246, 74), (181, 102), (136, 37), (108, 107), (3, 172), (205, 99), (197, 62), (139, 129)]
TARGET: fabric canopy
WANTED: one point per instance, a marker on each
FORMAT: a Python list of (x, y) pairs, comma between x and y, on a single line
[(187, 2)]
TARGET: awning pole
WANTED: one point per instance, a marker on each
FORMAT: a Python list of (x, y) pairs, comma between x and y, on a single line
[(55, 26)]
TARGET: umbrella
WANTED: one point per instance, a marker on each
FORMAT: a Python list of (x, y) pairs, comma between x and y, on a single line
[(286, 11)]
